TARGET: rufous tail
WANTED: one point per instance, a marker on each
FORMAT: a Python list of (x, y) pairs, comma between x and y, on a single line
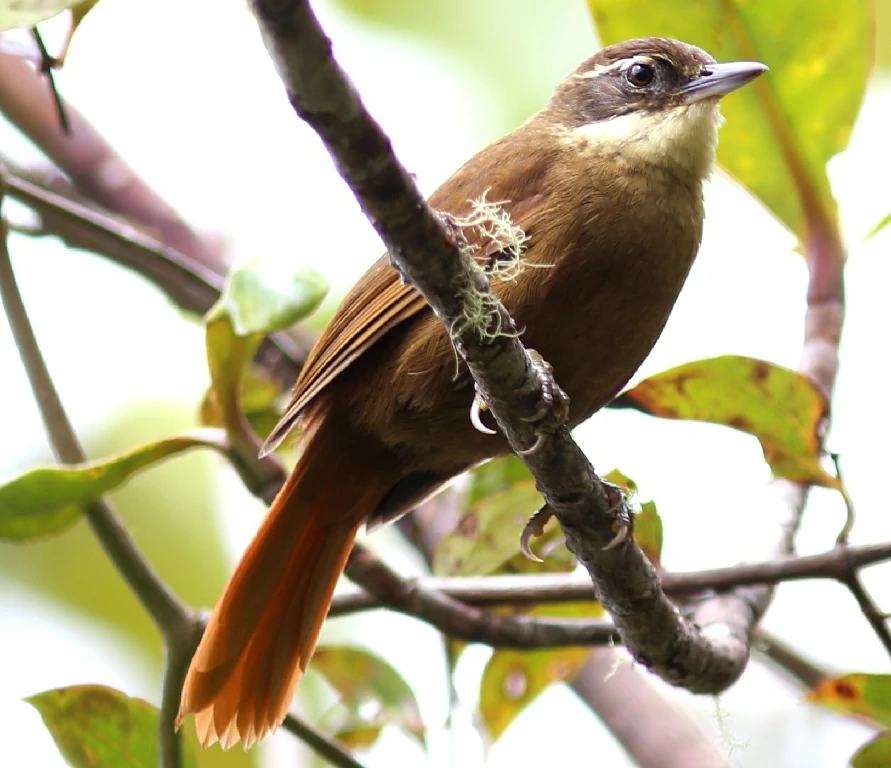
[(266, 624)]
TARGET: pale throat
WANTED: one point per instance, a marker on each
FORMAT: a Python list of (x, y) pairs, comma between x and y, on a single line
[(684, 137)]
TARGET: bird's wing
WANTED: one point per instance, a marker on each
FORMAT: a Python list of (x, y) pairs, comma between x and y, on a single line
[(380, 301)]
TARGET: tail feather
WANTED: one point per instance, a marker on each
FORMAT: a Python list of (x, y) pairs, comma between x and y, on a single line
[(266, 624)]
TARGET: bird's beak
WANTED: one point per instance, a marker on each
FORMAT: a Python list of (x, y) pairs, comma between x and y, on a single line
[(717, 80)]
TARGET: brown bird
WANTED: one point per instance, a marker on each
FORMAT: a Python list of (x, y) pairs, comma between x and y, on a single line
[(605, 184)]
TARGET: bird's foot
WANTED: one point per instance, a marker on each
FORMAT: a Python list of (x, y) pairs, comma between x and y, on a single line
[(552, 410), (476, 415), (624, 524), (623, 527), (535, 527)]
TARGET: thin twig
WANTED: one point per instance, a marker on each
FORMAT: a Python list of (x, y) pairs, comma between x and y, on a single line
[(190, 284), (537, 589), (324, 746), (804, 672), (463, 622), (92, 163), (876, 618), (173, 617)]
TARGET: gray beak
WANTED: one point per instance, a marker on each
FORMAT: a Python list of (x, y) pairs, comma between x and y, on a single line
[(717, 80)]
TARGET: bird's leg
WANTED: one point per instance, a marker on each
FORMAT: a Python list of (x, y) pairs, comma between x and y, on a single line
[(552, 410), (536, 524)]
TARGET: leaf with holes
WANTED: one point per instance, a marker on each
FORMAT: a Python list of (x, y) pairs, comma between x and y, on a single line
[(513, 679), (95, 726), (778, 137), (859, 694), (782, 408), (48, 500), (372, 693), (874, 754), (487, 540)]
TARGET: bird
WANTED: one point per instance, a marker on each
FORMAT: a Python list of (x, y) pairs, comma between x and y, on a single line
[(602, 191)]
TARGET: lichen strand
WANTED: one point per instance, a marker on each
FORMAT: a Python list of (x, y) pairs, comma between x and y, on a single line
[(505, 242)]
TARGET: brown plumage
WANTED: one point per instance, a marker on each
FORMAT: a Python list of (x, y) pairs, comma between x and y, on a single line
[(606, 184)]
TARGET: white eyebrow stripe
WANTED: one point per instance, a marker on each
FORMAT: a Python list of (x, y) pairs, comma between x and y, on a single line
[(616, 66)]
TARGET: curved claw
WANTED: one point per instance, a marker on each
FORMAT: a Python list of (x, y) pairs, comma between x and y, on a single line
[(476, 408), (534, 527), (625, 532), (539, 441)]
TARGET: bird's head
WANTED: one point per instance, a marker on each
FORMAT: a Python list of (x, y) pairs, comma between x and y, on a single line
[(649, 102)]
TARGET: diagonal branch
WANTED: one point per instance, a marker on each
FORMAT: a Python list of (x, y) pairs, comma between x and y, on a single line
[(174, 619), (188, 283), (706, 658), (96, 170)]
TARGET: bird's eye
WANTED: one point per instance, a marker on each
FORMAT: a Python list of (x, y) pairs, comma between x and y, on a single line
[(640, 75)]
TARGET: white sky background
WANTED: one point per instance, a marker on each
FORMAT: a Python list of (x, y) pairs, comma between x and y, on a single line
[(195, 107)]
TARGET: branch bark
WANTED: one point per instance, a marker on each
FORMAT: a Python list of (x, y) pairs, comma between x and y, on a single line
[(840, 564)]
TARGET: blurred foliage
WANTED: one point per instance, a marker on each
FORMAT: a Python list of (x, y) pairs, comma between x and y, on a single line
[(18, 14), (778, 137), (46, 501), (874, 754), (512, 680), (372, 695), (97, 726), (862, 694), (259, 298), (516, 57), (166, 511)]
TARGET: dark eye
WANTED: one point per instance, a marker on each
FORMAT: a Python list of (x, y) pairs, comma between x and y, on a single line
[(640, 75)]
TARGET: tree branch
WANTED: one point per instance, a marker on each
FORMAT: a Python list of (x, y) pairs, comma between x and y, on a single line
[(92, 164), (179, 625), (188, 283), (173, 618), (839, 564), (321, 744), (804, 672), (704, 659), (463, 622)]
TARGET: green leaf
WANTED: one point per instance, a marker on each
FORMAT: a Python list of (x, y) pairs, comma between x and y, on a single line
[(48, 500), (95, 727), (259, 298), (513, 679), (879, 227), (20, 14), (487, 539), (861, 694), (372, 693), (780, 407), (874, 754), (778, 137), (259, 395), (496, 475), (647, 523), (262, 296)]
